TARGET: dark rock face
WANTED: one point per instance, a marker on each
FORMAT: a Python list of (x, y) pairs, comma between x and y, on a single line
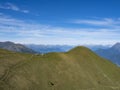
[(15, 47)]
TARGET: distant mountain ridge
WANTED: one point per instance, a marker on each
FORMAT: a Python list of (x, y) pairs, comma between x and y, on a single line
[(49, 48), (112, 53), (61, 48), (116, 47), (96, 47), (15, 47)]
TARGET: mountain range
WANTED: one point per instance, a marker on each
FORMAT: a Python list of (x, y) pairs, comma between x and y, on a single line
[(15, 47), (77, 69), (49, 48), (61, 48), (112, 53)]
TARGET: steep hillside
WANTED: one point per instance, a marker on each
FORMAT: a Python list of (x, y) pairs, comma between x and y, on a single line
[(15, 47), (112, 53), (78, 69)]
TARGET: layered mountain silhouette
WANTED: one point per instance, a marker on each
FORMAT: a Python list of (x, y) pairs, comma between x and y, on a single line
[(15, 47), (49, 48), (61, 48), (77, 69), (112, 53)]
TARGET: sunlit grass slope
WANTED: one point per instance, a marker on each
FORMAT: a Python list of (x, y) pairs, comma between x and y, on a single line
[(78, 69)]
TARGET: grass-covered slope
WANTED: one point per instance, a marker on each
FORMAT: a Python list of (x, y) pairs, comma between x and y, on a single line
[(78, 69)]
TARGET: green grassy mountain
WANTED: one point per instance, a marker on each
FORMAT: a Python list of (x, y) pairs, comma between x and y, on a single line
[(78, 69)]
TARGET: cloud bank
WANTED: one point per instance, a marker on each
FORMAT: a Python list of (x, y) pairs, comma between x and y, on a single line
[(28, 32), (108, 22)]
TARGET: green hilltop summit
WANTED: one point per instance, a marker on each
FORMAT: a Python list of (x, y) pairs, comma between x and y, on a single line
[(77, 69), (79, 49)]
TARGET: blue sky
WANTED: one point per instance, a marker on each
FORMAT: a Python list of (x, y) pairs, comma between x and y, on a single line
[(71, 22)]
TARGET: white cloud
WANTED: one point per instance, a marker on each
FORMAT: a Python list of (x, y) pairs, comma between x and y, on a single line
[(13, 7), (27, 32), (25, 11), (99, 22)]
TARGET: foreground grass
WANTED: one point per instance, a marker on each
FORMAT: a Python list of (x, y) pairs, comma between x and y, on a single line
[(78, 69)]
